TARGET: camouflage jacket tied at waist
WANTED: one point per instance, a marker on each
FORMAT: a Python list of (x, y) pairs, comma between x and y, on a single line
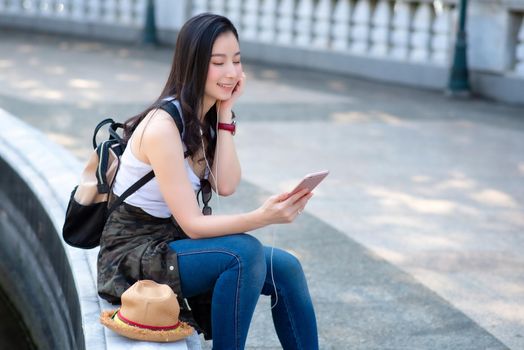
[(134, 246)]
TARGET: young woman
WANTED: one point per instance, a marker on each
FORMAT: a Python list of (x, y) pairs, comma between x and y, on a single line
[(160, 233)]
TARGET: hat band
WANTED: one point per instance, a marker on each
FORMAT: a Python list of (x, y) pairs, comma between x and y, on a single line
[(139, 325)]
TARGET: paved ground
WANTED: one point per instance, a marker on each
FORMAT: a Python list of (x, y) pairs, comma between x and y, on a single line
[(415, 239)]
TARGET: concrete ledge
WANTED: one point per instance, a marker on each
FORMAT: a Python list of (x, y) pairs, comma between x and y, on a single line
[(34, 275), (508, 88), (30, 162), (49, 173)]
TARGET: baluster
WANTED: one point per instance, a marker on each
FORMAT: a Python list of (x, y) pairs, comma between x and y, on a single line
[(420, 37), (400, 35), (234, 12), (217, 6), (15, 7), (139, 17), (199, 6), (322, 24), (304, 22), (267, 21), (250, 20), (109, 11), (361, 27), (93, 10), (285, 22), (340, 29), (28, 7), (47, 8), (440, 42), (63, 8), (126, 12), (380, 32), (519, 52), (78, 10)]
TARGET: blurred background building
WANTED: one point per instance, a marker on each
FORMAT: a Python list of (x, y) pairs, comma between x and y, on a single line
[(401, 41)]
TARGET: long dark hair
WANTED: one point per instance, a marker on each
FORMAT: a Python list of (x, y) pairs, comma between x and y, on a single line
[(187, 80)]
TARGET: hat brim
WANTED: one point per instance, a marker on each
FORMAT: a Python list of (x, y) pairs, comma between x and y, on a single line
[(181, 332)]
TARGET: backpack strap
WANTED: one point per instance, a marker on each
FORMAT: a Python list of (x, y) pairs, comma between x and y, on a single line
[(173, 111), (98, 127), (132, 190), (103, 153)]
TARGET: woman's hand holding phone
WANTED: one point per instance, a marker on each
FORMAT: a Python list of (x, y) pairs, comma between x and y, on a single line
[(284, 208)]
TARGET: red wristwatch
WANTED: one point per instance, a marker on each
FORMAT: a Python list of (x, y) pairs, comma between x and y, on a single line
[(232, 128)]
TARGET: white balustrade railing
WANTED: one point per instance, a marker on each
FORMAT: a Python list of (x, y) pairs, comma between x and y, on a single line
[(322, 23), (116, 12), (360, 27), (303, 22), (519, 50), (198, 6), (380, 32), (268, 21), (234, 9), (441, 39), (250, 19), (406, 30), (421, 33), (340, 27), (285, 13), (415, 30)]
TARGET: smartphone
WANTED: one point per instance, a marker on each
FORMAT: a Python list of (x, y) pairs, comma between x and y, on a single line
[(310, 181)]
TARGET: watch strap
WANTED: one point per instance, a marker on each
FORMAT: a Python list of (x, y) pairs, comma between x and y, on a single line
[(228, 127)]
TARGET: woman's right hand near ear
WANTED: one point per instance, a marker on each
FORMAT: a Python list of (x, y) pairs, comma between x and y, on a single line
[(282, 208)]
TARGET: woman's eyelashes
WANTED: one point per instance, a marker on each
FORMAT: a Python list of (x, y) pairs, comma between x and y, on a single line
[(222, 63)]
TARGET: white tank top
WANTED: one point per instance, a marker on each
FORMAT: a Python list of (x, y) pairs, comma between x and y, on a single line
[(148, 197)]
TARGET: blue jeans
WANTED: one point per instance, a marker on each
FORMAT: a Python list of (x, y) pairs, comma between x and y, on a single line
[(238, 267)]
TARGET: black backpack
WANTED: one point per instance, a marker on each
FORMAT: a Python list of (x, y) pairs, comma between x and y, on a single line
[(88, 209)]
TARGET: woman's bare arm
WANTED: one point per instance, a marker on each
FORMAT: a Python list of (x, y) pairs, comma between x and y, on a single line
[(226, 166), (162, 148)]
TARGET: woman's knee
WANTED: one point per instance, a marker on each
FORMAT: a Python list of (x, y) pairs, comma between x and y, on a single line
[(249, 252), (286, 265)]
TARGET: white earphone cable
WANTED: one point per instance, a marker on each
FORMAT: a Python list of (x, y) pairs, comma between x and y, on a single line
[(215, 180), (271, 267)]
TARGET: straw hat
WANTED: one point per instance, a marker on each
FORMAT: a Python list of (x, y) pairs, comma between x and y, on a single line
[(149, 311)]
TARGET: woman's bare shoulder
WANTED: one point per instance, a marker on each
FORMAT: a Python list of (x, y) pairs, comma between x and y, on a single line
[(158, 122), (157, 133)]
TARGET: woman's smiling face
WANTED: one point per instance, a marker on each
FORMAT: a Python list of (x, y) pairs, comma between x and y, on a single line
[(225, 69)]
